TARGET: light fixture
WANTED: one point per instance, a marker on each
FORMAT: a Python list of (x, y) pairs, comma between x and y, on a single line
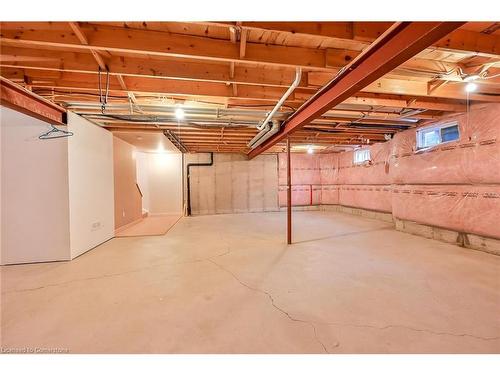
[(470, 87), (179, 113), (310, 149)]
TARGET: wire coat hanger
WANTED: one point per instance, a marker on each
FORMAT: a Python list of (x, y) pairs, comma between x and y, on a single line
[(55, 133)]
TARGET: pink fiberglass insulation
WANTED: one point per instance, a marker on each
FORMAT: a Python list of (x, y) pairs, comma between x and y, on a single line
[(375, 172), (316, 196), (305, 169), (329, 170), (330, 194), (463, 208), (473, 159), (370, 197), (455, 185), (329, 175), (301, 195)]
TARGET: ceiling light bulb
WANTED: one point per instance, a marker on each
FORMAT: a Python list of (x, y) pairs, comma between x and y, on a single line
[(310, 149), (179, 113), (470, 87)]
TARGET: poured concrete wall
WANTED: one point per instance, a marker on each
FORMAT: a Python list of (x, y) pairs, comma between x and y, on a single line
[(233, 184)]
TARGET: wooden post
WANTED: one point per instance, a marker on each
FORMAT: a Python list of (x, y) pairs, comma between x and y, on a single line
[(288, 194)]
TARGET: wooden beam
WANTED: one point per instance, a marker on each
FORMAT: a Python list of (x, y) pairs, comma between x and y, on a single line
[(121, 82), (16, 97), (79, 33), (83, 39), (120, 40), (123, 85), (458, 41), (469, 41), (395, 86), (435, 84), (208, 72), (337, 30), (243, 43), (410, 89), (401, 42), (171, 68)]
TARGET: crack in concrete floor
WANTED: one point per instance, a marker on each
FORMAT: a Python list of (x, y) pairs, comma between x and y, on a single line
[(158, 264), (271, 299), (314, 323), (411, 329), (269, 296)]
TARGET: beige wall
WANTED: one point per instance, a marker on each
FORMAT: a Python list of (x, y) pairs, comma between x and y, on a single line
[(128, 201), (161, 181), (34, 192), (233, 184), (0, 193), (91, 187), (141, 160)]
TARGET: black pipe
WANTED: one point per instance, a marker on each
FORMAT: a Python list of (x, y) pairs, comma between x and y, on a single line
[(189, 177)]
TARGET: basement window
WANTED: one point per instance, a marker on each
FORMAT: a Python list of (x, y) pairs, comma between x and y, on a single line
[(437, 134), (362, 156)]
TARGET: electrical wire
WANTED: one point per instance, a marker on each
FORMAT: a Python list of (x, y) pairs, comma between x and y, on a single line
[(103, 98)]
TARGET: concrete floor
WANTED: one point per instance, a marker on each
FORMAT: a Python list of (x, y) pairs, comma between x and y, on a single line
[(153, 225), (228, 284)]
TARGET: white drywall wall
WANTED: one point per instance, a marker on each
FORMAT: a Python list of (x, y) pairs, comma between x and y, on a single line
[(34, 191), (91, 186), (0, 189), (160, 178), (141, 162)]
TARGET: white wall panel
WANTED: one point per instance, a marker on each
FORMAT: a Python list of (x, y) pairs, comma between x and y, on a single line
[(34, 191), (91, 185)]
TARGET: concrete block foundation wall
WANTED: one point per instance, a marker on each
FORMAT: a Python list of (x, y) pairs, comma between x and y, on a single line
[(453, 186)]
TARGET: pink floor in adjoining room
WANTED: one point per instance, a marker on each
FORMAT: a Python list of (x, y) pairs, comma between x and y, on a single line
[(154, 225)]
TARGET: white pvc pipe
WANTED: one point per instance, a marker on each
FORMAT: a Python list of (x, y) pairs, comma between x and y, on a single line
[(264, 131), (298, 76), (264, 137)]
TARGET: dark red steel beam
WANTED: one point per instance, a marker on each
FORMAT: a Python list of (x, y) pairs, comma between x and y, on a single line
[(397, 45), (18, 98)]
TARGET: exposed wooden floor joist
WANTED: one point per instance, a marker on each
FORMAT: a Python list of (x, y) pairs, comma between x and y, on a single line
[(246, 65)]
